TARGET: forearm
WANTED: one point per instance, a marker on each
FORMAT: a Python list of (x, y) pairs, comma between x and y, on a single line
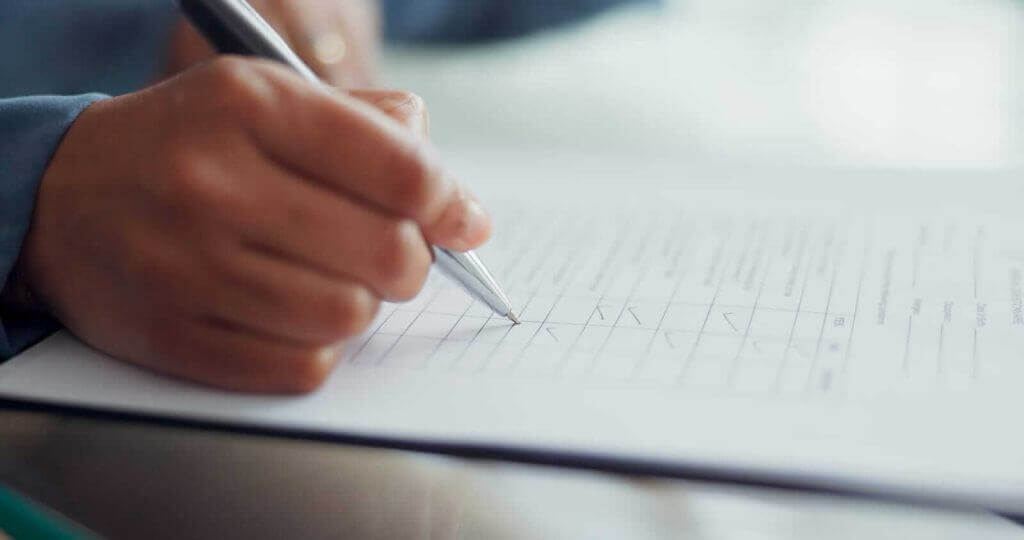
[(31, 129)]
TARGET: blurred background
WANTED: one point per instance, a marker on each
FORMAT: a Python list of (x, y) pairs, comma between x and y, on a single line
[(895, 84)]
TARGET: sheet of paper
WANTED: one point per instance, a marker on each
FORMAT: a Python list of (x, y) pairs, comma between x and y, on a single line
[(748, 302), (870, 346)]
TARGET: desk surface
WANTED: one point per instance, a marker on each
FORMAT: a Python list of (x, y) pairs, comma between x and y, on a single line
[(840, 83), (139, 481)]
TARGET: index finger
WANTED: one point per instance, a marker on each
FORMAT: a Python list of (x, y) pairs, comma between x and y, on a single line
[(350, 146)]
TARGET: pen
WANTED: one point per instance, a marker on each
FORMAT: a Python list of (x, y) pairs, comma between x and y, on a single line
[(234, 27)]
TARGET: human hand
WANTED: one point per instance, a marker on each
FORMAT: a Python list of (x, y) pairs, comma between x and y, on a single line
[(234, 225), (336, 38)]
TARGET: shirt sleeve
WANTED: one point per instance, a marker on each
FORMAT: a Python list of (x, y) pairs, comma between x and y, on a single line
[(476, 20), (70, 47), (30, 130)]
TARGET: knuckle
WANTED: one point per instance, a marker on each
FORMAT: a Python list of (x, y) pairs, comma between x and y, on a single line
[(192, 183), (228, 73), (182, 170), (401, 259), (204, 192), (240, 87)]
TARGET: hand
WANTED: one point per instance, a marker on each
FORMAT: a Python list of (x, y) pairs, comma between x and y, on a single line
[(234, 225), (336, 38)]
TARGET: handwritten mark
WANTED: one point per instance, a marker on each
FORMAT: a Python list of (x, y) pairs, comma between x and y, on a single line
[(600, 313), (728, 318), (551, 333), (757, 346), (834, 346), (633, 313), (668, 339)]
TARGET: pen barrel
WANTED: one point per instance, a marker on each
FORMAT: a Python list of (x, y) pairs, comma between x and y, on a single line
[(234, 27), (467, 269)]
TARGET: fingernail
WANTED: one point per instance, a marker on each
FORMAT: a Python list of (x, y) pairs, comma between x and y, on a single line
[(328, 356), (329, 48), (463, 225), (478, 223)]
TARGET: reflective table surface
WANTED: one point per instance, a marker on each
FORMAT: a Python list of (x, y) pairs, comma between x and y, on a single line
[(128, 480)]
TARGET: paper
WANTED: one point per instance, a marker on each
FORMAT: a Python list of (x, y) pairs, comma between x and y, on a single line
[(747, 331), (755, 300)]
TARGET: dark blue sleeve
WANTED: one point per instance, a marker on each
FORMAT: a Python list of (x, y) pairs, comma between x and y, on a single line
[(474, 20), (30, 130), (75, 46)]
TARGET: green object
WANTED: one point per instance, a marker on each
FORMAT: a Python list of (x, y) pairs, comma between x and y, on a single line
[(23, 519)]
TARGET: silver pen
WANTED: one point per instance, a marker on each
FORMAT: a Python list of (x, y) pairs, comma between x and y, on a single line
[(234, 27)]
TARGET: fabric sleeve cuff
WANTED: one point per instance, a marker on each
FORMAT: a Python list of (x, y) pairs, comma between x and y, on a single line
[(31, 128)]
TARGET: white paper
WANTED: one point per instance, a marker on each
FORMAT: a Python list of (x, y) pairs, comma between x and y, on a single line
[(874, 343)]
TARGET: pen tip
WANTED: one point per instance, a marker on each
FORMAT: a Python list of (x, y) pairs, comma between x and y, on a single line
[(512, 317)]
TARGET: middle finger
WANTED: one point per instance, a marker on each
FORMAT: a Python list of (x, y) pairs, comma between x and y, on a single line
[(317, 227)]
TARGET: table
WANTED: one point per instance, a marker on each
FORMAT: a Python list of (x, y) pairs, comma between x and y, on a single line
[(128, 480)]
